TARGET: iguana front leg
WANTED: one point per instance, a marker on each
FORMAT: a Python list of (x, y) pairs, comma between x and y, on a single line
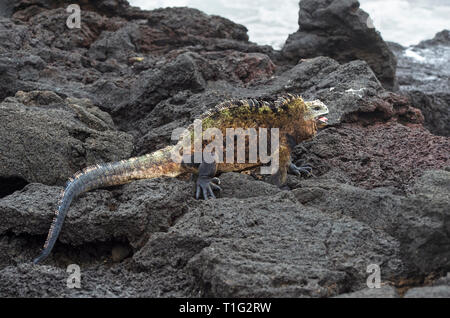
[(291, 167), (206, 182)]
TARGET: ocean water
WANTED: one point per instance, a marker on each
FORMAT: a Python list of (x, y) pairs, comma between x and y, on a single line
[(270, 22)]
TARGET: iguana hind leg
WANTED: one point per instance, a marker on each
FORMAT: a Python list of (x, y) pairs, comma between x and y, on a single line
[(279, 178), (296, 170)]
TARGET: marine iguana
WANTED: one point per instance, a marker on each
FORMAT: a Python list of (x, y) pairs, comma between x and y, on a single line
[(296, 120)]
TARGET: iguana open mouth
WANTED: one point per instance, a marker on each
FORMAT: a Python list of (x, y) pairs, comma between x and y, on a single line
[(322, 121)]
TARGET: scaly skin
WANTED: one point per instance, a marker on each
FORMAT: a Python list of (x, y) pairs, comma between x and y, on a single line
[(295, 119)]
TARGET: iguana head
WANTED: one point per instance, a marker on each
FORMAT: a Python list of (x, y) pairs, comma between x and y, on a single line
[(299, 120), (316, 110)]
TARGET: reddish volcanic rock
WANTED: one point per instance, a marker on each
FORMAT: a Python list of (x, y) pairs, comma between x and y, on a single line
[(378, 155), (383, 107)]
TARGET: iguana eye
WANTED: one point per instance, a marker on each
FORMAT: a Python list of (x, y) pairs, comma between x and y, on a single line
[(317, 108)]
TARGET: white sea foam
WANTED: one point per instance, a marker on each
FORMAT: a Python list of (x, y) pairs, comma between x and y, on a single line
[(410, 53)]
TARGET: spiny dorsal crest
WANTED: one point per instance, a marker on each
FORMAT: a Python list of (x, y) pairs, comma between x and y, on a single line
[(252, 103)]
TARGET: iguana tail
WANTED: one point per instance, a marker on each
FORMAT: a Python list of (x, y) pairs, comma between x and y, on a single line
[(153, 165)]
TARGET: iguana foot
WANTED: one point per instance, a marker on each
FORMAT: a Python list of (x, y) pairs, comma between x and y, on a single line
[(206, 185), (293, 169)]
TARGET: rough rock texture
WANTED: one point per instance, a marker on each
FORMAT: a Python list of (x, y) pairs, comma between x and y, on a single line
[(435, 108), (44, 138), (265, 250), (119, 87), (379, 155), (6, 8), (418, 220), (424, 77), (441, 38), (439, 289), (383, 292), (429, 292), (341, 30), (279, 248)]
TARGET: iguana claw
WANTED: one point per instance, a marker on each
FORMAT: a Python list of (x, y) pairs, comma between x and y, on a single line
[(293, 169), (206, 185)]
